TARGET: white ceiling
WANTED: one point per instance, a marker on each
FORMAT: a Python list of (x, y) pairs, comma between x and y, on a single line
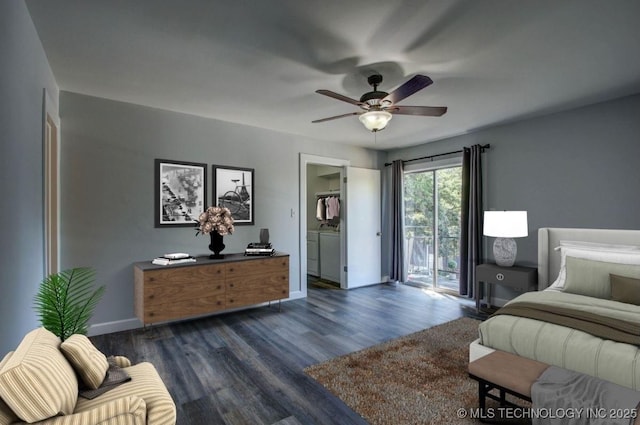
[(259, 62)]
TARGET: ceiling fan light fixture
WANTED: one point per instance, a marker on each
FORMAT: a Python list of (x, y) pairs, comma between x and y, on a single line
[(375, 120)]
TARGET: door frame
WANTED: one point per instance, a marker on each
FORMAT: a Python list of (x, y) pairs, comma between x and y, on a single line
[(306, 159), (51, 184)]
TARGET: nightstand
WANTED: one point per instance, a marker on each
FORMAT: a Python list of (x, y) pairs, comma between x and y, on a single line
[(518, 278)]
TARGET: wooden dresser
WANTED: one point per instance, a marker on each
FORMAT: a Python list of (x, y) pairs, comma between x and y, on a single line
[(165, 293)]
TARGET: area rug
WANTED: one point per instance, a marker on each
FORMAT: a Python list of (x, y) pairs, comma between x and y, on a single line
[(417, 379)]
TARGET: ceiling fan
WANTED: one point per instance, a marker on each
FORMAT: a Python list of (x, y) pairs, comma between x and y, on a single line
[(378, 106)]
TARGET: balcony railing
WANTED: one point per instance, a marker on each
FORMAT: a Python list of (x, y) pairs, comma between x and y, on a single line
[(419, 253)]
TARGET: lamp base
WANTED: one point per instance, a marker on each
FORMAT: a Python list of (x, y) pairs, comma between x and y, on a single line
[(504, 251)]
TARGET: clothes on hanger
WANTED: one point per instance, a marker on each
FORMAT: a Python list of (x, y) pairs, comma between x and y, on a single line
[(321, 210), (333, 207), (327, 208)]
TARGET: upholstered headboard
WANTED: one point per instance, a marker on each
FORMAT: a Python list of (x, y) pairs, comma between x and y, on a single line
[(549, 238)]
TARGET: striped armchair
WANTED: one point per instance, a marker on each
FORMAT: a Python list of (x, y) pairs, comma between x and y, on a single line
[(39, 383)]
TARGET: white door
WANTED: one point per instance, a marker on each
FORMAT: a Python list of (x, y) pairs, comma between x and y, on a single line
[(363, 227)]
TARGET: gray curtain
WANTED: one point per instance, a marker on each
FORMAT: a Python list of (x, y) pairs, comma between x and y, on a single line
[(471, 233), (397, 272)]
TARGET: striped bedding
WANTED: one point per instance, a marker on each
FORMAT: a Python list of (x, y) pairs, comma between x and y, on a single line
[(566, 347)]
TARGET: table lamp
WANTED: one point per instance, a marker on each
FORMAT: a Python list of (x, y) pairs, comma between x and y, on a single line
[(504, 226)]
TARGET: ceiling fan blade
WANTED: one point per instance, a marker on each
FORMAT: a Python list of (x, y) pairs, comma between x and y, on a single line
[(336, 117), (407, 89), (428, 111), (339, 97)]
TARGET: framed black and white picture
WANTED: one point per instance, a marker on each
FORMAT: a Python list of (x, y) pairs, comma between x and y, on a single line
[(180, 192), (233, 189)]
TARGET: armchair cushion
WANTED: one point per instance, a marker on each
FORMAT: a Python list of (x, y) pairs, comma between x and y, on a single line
[(120, 361), (6, 414), (90, 364), (37, 382), (129, 410), (146, 384)]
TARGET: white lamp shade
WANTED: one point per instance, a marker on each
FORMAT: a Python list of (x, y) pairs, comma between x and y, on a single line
[(505, 224), (375, 120)]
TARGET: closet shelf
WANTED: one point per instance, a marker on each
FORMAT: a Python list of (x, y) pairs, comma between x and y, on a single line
[(329, 193)]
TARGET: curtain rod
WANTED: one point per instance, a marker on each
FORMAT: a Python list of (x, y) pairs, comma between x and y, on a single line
[(483, 147)]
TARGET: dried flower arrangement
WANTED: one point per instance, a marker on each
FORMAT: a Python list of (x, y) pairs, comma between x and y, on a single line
[(215, 219)]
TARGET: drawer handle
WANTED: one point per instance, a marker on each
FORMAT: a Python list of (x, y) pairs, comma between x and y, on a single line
[(500, 277)]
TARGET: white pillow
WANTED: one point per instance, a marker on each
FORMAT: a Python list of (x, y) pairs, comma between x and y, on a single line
[(620, 254), (598, 246)]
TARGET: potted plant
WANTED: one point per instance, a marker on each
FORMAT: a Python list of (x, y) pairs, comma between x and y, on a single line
[(452, 266), (65, 301)]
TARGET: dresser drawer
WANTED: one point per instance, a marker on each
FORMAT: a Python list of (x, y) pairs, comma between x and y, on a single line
[(160, 292), (522, 279), (264, 266), (181, 309), (188, 274)]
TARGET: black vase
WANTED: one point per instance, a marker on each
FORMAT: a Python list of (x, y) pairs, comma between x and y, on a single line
[(216, 245), (264, 235)]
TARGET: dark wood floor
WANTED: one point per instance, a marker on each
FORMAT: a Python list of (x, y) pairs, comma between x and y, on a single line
[(247, 367)]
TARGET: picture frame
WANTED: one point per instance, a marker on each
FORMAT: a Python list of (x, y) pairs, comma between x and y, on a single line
[(180, 192), (233, 188)]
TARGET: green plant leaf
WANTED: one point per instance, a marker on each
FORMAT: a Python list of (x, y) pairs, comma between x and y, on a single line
[(66, 300)]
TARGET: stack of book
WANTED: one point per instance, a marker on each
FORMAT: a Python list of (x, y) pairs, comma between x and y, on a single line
[(174, 258), (257, 248)]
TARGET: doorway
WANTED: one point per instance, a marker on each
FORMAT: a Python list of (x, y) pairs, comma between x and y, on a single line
[(432, 201), (324, 226), (307, 207), (360, 246)]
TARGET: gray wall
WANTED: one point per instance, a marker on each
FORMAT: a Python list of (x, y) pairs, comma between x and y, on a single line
[(25, 73), (577, 168), (573, 169), (108, 152)]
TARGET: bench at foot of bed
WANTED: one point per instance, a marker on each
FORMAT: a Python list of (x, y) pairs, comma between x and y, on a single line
[(506, 373)]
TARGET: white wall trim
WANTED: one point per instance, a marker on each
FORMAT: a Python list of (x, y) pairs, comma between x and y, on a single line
[(50, 107), (115, 326), (50, 110), (295, 295), (135, 323)]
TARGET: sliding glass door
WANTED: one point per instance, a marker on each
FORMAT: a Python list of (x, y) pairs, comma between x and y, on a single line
[(432, 200)]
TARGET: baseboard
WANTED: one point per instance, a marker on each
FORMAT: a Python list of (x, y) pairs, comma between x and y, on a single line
[(295, 295), (498, 302), (116, 326), (134, 323)]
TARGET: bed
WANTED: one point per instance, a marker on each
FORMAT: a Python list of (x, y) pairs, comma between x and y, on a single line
[(585, 316)]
